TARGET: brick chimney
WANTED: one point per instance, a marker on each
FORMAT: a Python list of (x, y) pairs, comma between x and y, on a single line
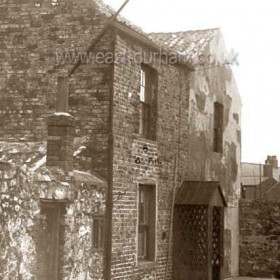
[(61, 129), (272, 161)]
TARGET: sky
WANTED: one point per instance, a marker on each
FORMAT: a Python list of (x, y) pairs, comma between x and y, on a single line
[(251, 29)]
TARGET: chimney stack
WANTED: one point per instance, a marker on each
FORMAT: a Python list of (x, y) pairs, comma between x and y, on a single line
[(272, 161), (61, 130)]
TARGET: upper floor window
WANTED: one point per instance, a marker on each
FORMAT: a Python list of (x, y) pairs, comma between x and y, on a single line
[(146, 223), (218, 127), (148, 102)]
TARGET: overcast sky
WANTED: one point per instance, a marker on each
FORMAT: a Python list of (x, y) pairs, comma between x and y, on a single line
[(251, 29)]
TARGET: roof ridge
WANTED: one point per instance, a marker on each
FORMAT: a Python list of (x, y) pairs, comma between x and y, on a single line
[(186, 31), (109, 11), (187, 44)]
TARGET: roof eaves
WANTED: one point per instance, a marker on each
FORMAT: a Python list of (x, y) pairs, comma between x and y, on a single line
[(146, 40), (128, 30)]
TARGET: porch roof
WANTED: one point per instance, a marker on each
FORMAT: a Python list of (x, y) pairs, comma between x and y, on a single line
[(201, 193)]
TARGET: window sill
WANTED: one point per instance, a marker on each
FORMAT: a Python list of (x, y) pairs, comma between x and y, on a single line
[(146, 264)]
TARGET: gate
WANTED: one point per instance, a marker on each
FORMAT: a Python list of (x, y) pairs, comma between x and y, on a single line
[(198, 232)]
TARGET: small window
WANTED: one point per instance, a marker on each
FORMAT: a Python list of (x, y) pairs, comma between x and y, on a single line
[(146, 223), (148, 102), (218, 127), (98, 232)]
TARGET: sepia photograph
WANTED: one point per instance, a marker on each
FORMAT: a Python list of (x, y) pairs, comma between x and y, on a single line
[(139, 140)]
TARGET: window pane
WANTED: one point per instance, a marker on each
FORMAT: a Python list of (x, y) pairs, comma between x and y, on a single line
[(95, 233), (142, 242), (143, 86), (141, 206), (218, 127), (101, 233), (148, 95), (98, 232), (146, 223)]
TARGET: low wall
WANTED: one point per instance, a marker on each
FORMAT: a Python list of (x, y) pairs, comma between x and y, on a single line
[(259, 238), (22, 226)]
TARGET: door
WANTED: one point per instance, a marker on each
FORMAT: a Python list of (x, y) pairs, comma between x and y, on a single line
[(197, 246), (48, 243), (190, 252)]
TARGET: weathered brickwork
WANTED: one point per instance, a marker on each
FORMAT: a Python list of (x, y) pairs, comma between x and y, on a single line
[(139, 161), (259, 238), (39, 42), (184, 129)]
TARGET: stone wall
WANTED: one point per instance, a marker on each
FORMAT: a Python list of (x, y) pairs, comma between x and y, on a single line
[(22, 223), (259, 238), (207, 86)]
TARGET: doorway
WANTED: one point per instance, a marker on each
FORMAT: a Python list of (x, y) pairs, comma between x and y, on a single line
[(48, 242), (198, 232)]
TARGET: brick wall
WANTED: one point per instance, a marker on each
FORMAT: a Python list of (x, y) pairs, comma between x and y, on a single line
[(259, 238), (38, 41), (134, 165), (184, 129)]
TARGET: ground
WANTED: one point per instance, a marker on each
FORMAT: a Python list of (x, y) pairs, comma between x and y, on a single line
[(249, 278)]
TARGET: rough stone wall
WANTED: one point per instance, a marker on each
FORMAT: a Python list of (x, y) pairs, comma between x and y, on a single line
[(213, 84), (141, 161), (38, 43), (259, 238), (21, 222)]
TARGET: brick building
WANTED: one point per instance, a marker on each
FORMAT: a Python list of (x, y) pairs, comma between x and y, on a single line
[(261, 181), (153, 118)]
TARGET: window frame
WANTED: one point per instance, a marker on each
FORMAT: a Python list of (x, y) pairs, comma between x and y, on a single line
[(147, 223), (218, 128), (148, 93), (99, 244)]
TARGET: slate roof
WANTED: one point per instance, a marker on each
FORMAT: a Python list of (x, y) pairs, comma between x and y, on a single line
[(207, 193), (253, 180), (252, 174), (188, 44)]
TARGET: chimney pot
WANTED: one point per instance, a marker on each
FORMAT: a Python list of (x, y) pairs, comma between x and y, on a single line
[(272, 161)]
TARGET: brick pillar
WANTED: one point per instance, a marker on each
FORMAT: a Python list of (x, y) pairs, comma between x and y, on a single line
[(60, 147)]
